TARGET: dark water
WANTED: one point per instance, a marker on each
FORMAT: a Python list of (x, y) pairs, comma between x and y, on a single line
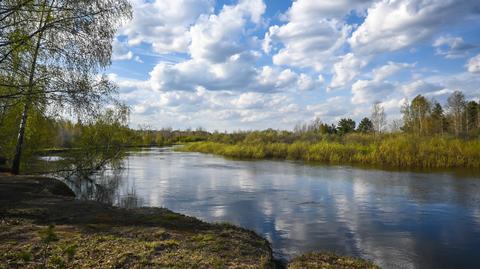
[(397, 219)]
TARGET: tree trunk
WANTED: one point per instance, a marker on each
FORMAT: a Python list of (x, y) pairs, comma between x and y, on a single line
[(20, 138), (23, 123)]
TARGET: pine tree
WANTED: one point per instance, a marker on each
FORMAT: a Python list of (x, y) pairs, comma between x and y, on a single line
[(365, 126)]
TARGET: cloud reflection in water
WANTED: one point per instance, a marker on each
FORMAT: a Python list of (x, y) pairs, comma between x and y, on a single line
[(397, 219)]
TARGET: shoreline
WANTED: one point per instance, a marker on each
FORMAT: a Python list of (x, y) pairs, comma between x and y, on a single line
[(134, 238)]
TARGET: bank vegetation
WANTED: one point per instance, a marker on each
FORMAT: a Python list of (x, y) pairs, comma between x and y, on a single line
[(427, 137)]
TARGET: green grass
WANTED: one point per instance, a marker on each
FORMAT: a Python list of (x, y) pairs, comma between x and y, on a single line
[(399, 150), (88, 234), (329, 261)]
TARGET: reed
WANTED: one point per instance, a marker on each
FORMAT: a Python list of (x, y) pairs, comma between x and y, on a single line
[(394, 150)]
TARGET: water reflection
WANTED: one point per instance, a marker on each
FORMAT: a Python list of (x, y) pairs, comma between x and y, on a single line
[(107, 186), (398, 219)]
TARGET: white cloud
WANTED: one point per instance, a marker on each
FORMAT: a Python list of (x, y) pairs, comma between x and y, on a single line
[(311, 37), (473, 65), (164, 24), (237, 74), (119, 57), (215, 38), (466, 82), (324, 8), (332, 109), (272, 77), (389, 69), (379, 89), (451, 47), (393, 25), (224, 59), (249, 100), (233, 74), (306, 83), (210, 109), (128, 85), (369, 91), (121, 51), (138, 59), (346, 70), (419, 87)]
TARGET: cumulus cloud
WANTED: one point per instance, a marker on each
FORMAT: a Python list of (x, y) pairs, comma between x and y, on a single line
[(346, 70), (164, 24), (311, 37), (473, 65), (215, 38), (223, 59), (369, 91), (274, 78), (236, 74), (220, 56), (379, 88), (393, 25), (325, 8), (211, 109)]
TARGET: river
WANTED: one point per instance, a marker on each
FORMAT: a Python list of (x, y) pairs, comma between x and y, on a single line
[(397, 219)]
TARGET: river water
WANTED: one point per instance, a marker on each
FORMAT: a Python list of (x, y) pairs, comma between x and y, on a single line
[(397, 219)]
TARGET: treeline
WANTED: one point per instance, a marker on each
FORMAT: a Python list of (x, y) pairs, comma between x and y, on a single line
[(144, 136), (461, 118), (88, 143), (46, 134), (428, 136)]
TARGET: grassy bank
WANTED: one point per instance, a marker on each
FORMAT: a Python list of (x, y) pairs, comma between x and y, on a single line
[(93, 235), (395, 150), (328, 261), (43, 226)]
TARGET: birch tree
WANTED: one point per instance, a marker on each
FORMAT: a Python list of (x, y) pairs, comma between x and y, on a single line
[(456, 105), (51, 55), (379, 119)]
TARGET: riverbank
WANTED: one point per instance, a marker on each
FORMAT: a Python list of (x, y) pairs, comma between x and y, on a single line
[(41, 223), (395, 151)]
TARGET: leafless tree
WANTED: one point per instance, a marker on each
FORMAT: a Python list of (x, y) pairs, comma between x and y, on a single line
[(379, 119)]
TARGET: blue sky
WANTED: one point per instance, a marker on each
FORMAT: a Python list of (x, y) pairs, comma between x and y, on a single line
[(253, 64)]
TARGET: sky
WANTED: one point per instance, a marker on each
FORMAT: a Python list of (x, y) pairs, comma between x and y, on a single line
[(256, 64)]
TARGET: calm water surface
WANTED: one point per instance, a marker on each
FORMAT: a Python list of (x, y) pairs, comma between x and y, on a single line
[(397, 219)]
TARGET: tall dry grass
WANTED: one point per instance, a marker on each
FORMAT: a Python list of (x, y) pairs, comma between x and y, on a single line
[(396, 150)]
